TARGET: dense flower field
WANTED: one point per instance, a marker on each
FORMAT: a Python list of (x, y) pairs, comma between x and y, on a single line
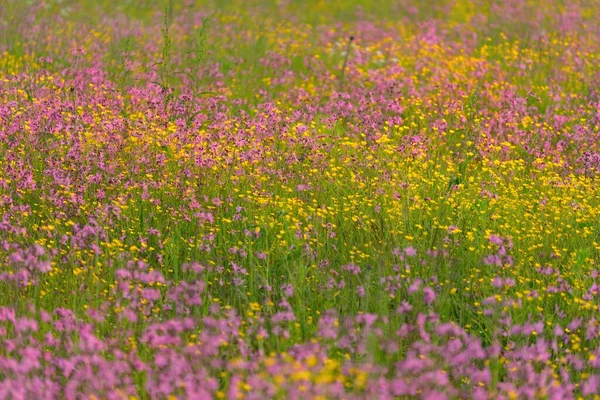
[(279, 199)]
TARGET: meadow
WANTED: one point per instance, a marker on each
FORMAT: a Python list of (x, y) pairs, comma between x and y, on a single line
[(299, 199)]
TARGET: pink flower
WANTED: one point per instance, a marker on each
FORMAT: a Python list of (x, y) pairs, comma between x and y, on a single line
[(497, 240), (410, 251), (428, 295)]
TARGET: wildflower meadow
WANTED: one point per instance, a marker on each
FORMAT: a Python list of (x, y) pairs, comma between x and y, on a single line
[(274, 199)]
